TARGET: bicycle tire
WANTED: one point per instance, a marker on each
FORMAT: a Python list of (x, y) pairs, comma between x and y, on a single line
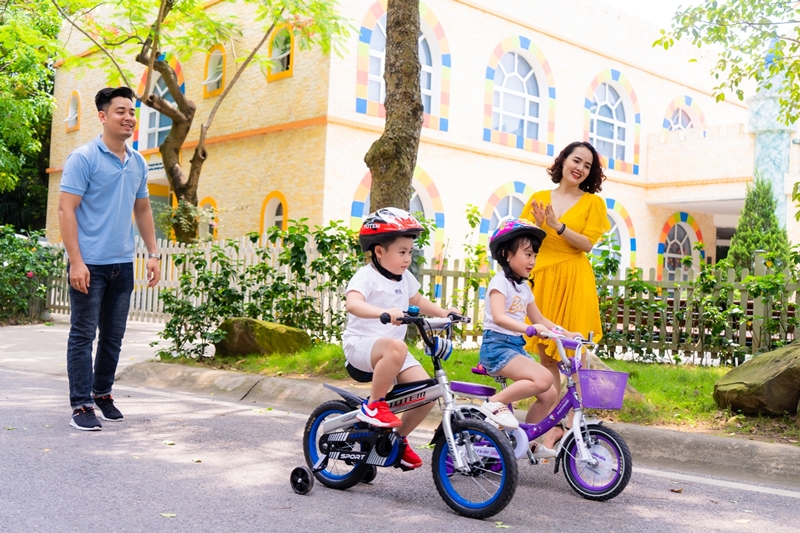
[(610, 477), (500, 471), (349, 475)]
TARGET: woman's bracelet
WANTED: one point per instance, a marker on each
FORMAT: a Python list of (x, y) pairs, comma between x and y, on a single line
[(561, 229)]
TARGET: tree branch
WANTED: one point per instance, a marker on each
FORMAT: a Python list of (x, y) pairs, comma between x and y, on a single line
[(163, 106), (4, 11), (171, 79), (98, 45), (205, 127), (154, 50), (123, 41)]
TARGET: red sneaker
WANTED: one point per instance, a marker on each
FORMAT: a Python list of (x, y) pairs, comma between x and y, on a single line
[(410, 458), (378, 414)]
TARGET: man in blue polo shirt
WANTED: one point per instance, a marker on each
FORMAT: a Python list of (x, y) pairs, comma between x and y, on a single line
[(102, 183)]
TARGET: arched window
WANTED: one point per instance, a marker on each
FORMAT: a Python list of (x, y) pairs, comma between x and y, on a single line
[(214, 82), (619, 239), (277, 217), (377, 55), (516, 102), (209, 225), (73, 119), (425, 74), (376, 86), (678, 246), (680, 120), (274, 212), (509, 207), (608, 129), (281, 54), (616, 240), (684, 114), (154, 125)]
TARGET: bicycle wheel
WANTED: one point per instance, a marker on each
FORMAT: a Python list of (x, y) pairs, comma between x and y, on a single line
[(609, 476), (338, 474), (491, 479)]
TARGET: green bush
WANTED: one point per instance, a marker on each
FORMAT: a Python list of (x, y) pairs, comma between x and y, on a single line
[(26, 269), (279, 287), (758, 228)]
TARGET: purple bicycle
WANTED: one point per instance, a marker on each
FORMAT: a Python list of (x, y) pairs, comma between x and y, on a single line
[(596, 461)]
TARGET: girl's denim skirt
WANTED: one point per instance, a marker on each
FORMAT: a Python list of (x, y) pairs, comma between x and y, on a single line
[(497, 349)]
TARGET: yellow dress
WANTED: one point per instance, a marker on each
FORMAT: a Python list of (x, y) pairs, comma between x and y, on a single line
[(563, 280)]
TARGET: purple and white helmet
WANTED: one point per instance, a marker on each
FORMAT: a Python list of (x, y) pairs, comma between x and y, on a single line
[(510, 230)]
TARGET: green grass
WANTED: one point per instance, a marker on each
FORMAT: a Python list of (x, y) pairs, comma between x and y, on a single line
[(674, 395), (324, 361)]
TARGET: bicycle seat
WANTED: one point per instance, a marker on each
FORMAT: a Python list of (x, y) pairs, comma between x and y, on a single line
[(358, 375), (479, 370), (472, 390)]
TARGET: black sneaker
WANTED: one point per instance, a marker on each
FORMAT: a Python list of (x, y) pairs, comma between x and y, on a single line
[(107, 409), (85, 419)]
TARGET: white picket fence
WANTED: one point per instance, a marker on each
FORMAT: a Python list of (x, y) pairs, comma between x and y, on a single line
[(146, 303)]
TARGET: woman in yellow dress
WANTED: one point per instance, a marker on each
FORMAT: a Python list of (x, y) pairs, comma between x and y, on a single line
[(574, 218)]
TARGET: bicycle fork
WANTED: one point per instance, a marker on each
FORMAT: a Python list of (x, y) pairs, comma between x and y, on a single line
[(448, 412)]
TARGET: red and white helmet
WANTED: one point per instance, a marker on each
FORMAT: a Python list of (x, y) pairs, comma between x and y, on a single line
[(385, 224)]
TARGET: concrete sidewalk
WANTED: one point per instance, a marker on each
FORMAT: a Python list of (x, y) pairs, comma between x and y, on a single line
[(41, 348)]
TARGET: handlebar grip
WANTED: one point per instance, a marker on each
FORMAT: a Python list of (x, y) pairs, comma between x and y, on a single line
[(455, 317), (570, 344), (385, 318), (530, 331)]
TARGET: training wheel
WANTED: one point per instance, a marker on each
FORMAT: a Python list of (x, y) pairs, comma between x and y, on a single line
[(302, 480), (370, 474)]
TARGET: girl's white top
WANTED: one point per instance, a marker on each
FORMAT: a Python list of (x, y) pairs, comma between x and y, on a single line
[(518, 297)]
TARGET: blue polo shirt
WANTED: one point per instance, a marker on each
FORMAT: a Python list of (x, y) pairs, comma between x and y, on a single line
[(108, 188)]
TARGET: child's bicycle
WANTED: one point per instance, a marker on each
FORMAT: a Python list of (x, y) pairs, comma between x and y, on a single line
[(474, 467), (597, 462)]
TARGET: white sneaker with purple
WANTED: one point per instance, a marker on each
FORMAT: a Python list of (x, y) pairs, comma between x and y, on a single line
[(499, 414)]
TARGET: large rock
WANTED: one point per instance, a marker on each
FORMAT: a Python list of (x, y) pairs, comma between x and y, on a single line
[(766, 384), (247, 336)]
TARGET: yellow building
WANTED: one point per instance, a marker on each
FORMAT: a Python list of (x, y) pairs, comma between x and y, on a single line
[(505, 86)]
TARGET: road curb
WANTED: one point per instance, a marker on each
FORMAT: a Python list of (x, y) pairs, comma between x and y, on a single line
[(710, 454), (679, 450)]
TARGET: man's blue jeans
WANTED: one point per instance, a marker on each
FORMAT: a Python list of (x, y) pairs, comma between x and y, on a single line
[(105, 307)]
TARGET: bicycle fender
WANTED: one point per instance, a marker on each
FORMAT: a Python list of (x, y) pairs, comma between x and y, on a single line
[(352, 400), (436, 434), (563, 450)]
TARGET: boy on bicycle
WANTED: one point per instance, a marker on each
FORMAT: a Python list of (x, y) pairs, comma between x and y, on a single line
[(386, 286)]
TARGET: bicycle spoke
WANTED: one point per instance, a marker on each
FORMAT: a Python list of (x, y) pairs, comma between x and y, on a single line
[(481, 487)]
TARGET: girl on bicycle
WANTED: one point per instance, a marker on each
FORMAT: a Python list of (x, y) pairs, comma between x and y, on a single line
[(509, 300)]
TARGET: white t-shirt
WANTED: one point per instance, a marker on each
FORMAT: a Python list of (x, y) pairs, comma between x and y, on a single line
[(380, 292), (518, 297)]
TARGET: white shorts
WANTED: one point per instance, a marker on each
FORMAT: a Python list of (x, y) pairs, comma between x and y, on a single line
[(358, 352)]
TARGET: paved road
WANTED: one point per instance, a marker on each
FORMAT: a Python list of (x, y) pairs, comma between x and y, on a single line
[(56, 479)]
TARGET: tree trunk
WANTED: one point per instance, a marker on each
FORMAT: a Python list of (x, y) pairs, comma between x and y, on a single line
[(392, 158), (185, 188)]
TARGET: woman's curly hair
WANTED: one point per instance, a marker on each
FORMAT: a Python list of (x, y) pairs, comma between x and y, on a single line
[(593, 182)]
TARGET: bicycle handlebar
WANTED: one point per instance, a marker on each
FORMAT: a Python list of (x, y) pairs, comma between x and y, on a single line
[(566, 342), (432, 323), (437, 323)]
